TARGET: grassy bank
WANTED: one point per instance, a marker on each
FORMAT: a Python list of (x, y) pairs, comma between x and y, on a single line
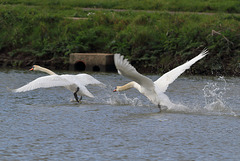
[(154, 42), (229, 6)]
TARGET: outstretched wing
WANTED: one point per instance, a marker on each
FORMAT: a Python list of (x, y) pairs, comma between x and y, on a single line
[(87, 79), (166, 79), (44, 82), (126, 69), (83, 79)]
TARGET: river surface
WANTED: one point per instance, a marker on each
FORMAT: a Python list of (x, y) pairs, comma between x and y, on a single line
[(47, 124)]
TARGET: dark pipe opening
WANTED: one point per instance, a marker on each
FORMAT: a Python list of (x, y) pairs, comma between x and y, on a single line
[(96, 68), (79, 66)]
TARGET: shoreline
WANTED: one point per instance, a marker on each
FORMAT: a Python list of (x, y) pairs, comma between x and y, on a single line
[(25, 61), (153, 42)]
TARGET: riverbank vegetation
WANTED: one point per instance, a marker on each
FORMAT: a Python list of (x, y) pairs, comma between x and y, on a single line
[(156, 42), (227, 6)]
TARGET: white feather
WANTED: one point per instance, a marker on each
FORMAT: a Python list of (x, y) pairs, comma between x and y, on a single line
[(154, 91), (166, 79), (127, 70), (71, 82), (44, 82)]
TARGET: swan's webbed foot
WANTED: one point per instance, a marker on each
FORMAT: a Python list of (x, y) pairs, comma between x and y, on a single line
[(75, 95), (159, 106)]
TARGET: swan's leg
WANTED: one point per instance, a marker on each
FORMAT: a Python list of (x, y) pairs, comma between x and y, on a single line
[(75, 95), (80, 98), (159, 106)]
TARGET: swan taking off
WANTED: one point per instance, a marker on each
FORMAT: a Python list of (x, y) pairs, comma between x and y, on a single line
[(74, 83), (154, 91)]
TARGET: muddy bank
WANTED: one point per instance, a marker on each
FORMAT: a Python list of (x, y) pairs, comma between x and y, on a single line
[(24, 60), (203, 67)]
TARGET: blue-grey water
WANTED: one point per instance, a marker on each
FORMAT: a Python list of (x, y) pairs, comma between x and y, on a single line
[(46, 124)]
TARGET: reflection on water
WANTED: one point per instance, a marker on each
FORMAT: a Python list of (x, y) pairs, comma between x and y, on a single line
[(45, 124)]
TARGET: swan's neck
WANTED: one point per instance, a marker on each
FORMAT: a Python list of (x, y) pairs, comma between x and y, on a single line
[(46, 70), (127, 86)]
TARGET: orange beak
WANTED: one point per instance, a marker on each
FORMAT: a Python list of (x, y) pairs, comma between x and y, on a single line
[(31, 69), (115, 90)]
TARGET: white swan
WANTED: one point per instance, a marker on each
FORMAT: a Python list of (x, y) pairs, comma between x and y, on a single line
[(154, 91), (74, 83)]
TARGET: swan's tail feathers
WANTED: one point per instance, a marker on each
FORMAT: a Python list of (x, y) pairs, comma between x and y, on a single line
[(87, 79), (98, 83), (83, 91), (91, 95)]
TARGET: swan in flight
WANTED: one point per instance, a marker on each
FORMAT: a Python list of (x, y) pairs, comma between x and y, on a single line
[(154, 91), (74, 83)]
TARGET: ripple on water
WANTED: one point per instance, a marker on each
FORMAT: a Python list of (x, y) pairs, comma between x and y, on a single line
[(45, 125)]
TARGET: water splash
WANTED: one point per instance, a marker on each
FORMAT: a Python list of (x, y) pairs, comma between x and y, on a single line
[(214, 95), (113, 98), (122, 99)]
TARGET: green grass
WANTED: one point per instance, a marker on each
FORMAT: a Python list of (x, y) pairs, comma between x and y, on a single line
[(154, 42), (230, 6)]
